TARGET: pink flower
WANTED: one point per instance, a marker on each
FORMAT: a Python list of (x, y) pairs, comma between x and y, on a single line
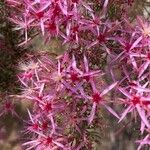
[(103, 34), (44, 142), (136, 101), (97, 99), (143, 27), (7, 107)]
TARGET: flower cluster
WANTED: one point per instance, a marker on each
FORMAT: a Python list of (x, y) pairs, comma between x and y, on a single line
[(70, 20), (134, 66), (68, 91), (59, 18), (65, 95)]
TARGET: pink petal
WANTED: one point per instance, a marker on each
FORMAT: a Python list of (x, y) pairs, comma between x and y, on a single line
[(109, 88), (143, 68), (143, 116), (105, 3), (22, 82), (63, 6), (42, 27), (125, 93), (45, 6), (127, 110), (86, 64), (93, 86), (142, 127), (41, 89), (92, 113), (133, 62), (30, 116), (136, 43), (87, 7), (141, 89), (111, 111), (137, 55), (92, 44)]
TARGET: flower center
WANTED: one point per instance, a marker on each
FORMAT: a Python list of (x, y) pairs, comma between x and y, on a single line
[(8, 105), (35, 126), (101, 38), (136, 100), (48, 107), (96, 98), (40, 14), (52, 26), (75, 29), (127, 47), (148, 56), (44, 125), (74, 77), (48, 140)]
